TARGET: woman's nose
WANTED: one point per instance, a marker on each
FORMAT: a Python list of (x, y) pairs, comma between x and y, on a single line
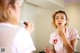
[(59, 21)]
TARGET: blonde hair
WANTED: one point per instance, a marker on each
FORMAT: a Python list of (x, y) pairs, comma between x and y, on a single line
[(5, 15)]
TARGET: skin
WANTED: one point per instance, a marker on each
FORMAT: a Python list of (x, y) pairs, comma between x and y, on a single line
[(30, 27), (60, 21), (15, 12)]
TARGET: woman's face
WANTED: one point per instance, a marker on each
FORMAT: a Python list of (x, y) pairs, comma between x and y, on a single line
[(60, 19)]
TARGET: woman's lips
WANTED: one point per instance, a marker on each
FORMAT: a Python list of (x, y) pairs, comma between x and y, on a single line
[(59, 23)]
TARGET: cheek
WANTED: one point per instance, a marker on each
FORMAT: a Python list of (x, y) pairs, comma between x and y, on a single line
[(18, 13), (56, 22), (64, 22)]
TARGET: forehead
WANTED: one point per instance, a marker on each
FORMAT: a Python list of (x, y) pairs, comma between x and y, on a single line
[(60, 14)]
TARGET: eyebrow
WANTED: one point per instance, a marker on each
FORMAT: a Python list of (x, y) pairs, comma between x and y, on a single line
[(56, 16)]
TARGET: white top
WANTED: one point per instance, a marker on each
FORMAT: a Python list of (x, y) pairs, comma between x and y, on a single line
[(16, 39), (57, 41)]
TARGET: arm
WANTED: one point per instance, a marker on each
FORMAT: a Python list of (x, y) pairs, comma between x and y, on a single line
[(69, 45), (54, 49), (23, 42), (74, 43)]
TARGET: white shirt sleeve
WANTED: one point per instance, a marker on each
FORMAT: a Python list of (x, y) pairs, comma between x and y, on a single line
[(74, 34), (51, 38), (22, 42)]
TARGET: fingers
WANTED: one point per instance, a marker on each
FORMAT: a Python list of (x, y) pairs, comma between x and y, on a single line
[(61, 28), (46, 50), (29, 26)]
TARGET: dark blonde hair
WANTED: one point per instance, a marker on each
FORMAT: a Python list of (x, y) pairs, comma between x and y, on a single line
[(5, 16), (60, 11)]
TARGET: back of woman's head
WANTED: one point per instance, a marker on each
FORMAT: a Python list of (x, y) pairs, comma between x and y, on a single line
[(5, 15)]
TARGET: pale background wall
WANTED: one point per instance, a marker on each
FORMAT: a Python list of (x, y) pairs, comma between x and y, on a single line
[(41, 17)]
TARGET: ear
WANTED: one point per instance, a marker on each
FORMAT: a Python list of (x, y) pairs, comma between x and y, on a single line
[(66, 22), (10, 10)]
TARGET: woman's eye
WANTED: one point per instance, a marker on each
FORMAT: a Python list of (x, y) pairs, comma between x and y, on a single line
[(62, 18), (56, 17)]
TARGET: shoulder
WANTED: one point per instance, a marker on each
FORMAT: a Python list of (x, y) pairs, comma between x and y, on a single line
[(53, 34), (23, 41), (73, 33), (22, 33), (22, 30), (72, 30), (21, 36), (52, 37)]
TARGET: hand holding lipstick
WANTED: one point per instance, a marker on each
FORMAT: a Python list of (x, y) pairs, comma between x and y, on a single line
[(28, 26)]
